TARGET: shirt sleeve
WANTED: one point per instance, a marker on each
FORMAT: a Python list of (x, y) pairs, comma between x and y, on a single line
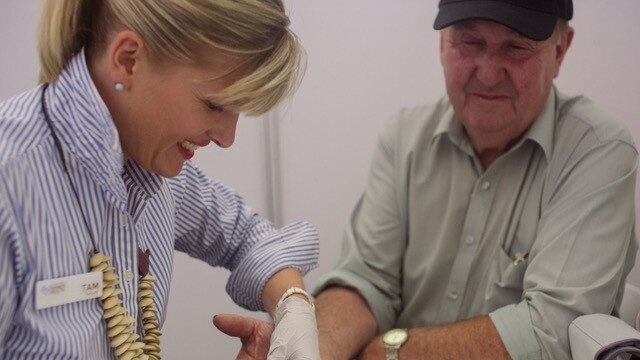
[(214, 224), (514, 325), (372, 253), (584, 249), (8, 294)]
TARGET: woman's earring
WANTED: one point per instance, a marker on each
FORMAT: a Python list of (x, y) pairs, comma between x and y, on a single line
[(119, 87)]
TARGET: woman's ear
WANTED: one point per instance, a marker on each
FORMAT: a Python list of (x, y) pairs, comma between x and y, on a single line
[(124, 55)]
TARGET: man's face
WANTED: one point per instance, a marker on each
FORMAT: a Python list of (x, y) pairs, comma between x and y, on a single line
[(497, 80)]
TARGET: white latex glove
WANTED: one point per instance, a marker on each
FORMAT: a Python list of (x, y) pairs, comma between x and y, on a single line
[(296, 334)]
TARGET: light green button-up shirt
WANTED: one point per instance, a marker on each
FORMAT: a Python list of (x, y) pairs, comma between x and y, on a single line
[(543, 235)]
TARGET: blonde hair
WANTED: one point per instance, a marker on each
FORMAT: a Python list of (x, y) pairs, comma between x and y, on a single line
[(256, 31)]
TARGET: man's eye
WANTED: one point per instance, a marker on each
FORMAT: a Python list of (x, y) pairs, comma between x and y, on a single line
[(517, 47), (214, 106), (519, 51), (470, 45)]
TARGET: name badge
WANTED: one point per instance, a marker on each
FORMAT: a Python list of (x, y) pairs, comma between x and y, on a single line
[(66, 290)]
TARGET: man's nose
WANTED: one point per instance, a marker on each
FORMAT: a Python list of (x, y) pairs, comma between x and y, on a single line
[(225, 134), (490, 69)]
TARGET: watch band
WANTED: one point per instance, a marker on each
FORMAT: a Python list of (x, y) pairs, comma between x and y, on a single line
[(391, 352)]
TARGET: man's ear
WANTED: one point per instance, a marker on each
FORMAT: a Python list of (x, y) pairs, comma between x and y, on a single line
[(562, 47), (124, 56)]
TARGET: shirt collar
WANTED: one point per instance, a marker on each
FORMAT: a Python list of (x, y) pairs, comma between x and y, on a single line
[(541, 131), (136, 176), (85, 127), (450, 126)]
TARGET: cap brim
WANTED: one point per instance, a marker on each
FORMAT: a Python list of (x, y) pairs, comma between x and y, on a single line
[(532, 24)]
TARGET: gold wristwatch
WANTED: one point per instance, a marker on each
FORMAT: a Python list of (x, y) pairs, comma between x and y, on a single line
[(393, 340)]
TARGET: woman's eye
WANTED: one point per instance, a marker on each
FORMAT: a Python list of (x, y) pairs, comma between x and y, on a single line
[(214, 106)]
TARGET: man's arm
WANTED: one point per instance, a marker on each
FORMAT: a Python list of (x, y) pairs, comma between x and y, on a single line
[(346, 326), (475, 338), (345, 323)]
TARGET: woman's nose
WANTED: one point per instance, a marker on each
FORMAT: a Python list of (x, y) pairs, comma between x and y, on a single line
[(225, 133)]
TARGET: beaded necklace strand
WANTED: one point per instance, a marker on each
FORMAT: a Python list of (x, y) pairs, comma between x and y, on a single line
[(120, 325), (120, 330)]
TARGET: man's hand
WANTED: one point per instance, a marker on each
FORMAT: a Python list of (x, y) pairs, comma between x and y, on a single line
[(254, 334), (373, 351)]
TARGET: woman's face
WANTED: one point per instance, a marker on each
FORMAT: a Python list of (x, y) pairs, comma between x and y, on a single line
[(164, 115)]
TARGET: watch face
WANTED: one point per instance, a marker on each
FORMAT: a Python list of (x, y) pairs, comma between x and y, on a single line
[(395, 336)]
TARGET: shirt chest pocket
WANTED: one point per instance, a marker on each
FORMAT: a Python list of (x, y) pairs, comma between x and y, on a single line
[(505, 279)]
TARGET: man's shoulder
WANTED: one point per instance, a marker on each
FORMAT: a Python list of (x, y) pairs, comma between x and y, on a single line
[(417, 122), (580, 116), (424, 114)]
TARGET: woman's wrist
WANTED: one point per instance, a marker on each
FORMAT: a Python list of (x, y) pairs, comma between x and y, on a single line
[(277, 285), (295, 291)]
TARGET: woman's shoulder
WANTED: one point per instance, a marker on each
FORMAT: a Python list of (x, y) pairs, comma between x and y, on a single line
[(22, 125)]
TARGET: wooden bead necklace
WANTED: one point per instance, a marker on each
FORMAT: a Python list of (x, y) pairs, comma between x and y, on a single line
[(120, 330)]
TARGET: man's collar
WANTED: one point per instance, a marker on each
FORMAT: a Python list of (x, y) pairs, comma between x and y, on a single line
[(452, 127), (542, 129)]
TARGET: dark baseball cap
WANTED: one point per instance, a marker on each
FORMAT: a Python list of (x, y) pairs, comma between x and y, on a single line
[(535, 19)]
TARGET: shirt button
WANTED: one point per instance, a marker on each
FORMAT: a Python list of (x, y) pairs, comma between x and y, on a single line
[(128, 276), (486, 185), (469, 240), (453, 296)]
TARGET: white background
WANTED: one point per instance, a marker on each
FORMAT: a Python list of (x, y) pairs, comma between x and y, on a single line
[(366, 58)]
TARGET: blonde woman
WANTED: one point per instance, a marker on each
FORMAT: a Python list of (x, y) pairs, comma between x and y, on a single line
[(97, 190)]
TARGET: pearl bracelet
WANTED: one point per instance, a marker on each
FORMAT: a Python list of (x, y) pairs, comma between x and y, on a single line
[(296, 290)]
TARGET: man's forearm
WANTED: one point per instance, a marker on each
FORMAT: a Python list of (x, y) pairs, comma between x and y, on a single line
[(475, 338), (345, 323)]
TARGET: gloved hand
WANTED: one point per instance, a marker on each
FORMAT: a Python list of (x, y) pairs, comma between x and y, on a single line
[(295, 336)]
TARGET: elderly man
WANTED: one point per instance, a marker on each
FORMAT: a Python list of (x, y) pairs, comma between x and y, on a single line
[(493, 217)]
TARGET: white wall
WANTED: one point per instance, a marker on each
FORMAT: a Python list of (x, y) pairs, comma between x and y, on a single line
[(366, 59)]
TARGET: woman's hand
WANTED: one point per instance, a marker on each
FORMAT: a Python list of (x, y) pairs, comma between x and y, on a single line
[(296, 333), (295, 336), (254, 334)]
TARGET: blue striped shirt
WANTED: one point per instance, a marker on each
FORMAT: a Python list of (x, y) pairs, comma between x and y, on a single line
[(43, 236)]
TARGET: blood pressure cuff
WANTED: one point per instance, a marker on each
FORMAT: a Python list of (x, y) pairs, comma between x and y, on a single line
[(603, 337)]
